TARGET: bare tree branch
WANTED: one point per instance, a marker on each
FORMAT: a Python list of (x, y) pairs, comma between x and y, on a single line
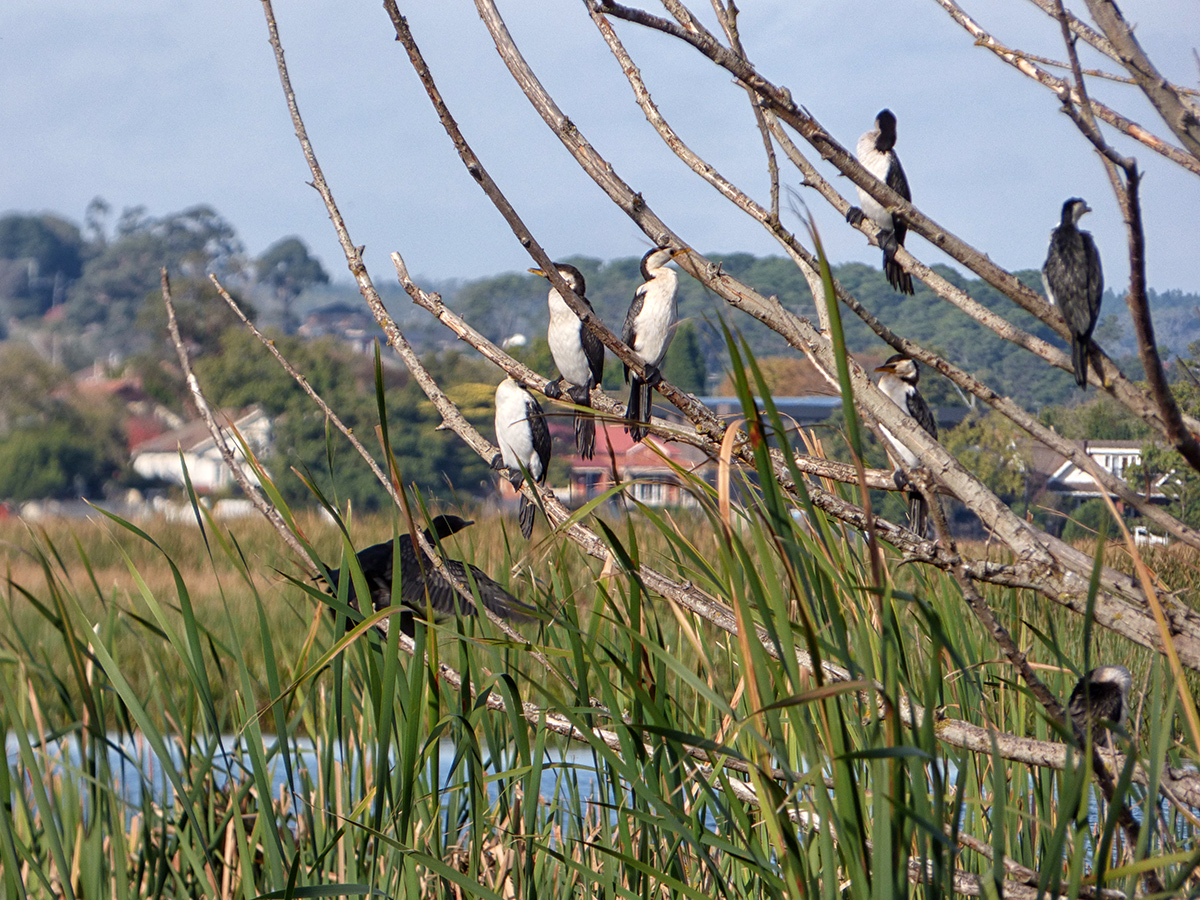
[(1023, 64), (1181, 115)]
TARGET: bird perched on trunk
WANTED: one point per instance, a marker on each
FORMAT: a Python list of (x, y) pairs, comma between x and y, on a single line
[(418, 576), (649, 327), (1101, 694), (1074, 282), (877, 153), (578, 354), (899, 383), (524, 442)]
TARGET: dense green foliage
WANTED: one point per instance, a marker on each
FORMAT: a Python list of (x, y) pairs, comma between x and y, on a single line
[(241, 374)]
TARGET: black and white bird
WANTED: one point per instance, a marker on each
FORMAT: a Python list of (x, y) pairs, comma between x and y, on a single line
[(524, 442), (577, 352), (418, 576), (649, 327), (1100, 695), (1074, 282), (877, 153), (899, 383)]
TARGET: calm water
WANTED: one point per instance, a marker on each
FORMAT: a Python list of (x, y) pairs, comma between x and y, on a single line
[(138, 771)]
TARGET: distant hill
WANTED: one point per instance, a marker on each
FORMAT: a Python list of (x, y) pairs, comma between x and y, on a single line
[(514, 303)]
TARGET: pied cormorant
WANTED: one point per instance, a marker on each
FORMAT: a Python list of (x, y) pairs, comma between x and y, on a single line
[(577, 352), (524, 441), (418, 575), (1074, 282), (899, 383), (649, 327), (1100, 695), (877, 153)]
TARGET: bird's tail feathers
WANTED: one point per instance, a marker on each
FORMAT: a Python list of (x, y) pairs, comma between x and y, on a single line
[(525, 516), (638, 411), (1079, 360), (585, 434), (585, 423), (506, 606), (899, 279), (918, 512)]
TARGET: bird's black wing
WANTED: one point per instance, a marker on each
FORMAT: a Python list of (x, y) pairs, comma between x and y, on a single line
[(593, 349), (541, 436), (1095, 278), (919, 410), (1069, 276), (897, 181), (629, 329)]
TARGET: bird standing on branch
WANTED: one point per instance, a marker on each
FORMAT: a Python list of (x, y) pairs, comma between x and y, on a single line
[(1100, 695), (649, 327), (1074, 282), (577, 352), (419, 578), (524, 442), (877, 153), (899, 383)]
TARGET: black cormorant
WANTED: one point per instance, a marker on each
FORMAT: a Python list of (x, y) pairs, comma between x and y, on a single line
[(899, 383), (418, 575), (577, 352), (649, 327), (1101, 694), (524, 441), (877, 153), (1074, 281)]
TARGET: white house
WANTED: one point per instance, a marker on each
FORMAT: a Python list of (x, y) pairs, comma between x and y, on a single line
[(159, 457), (1114, 456)]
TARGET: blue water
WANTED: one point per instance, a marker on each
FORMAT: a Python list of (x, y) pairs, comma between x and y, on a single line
[(137, 772)]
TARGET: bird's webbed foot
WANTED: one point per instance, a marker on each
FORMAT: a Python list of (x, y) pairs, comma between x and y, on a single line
[(652, 377), (552, 390), (497, 463), (900, 479), (580, 394), (854, 216), (887, 240)]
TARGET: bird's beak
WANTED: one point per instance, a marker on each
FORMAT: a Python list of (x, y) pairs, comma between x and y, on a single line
[(675, 254), (537, 272), (1086, 209), (885, 368)]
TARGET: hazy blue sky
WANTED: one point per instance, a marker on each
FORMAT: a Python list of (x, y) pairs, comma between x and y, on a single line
[(175, 103)]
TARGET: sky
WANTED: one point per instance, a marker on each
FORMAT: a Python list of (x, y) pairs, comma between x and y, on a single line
[(168, 105)]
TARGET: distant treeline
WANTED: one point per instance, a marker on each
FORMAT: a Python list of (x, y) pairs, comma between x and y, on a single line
[(87, 297)]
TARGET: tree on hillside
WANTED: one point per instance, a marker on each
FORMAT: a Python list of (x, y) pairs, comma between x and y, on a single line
[(287, 269), (116, 281), (827, 644), (44, 253), (54, 440)]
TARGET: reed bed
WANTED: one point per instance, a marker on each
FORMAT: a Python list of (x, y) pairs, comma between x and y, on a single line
[(293, 759)]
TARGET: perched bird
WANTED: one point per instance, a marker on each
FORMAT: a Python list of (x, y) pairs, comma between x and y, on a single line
[(899, 382), (877, 153), (577, 352), (1101, 694), (1074, 281), (418, 576), (524, 442), (649, 327)]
